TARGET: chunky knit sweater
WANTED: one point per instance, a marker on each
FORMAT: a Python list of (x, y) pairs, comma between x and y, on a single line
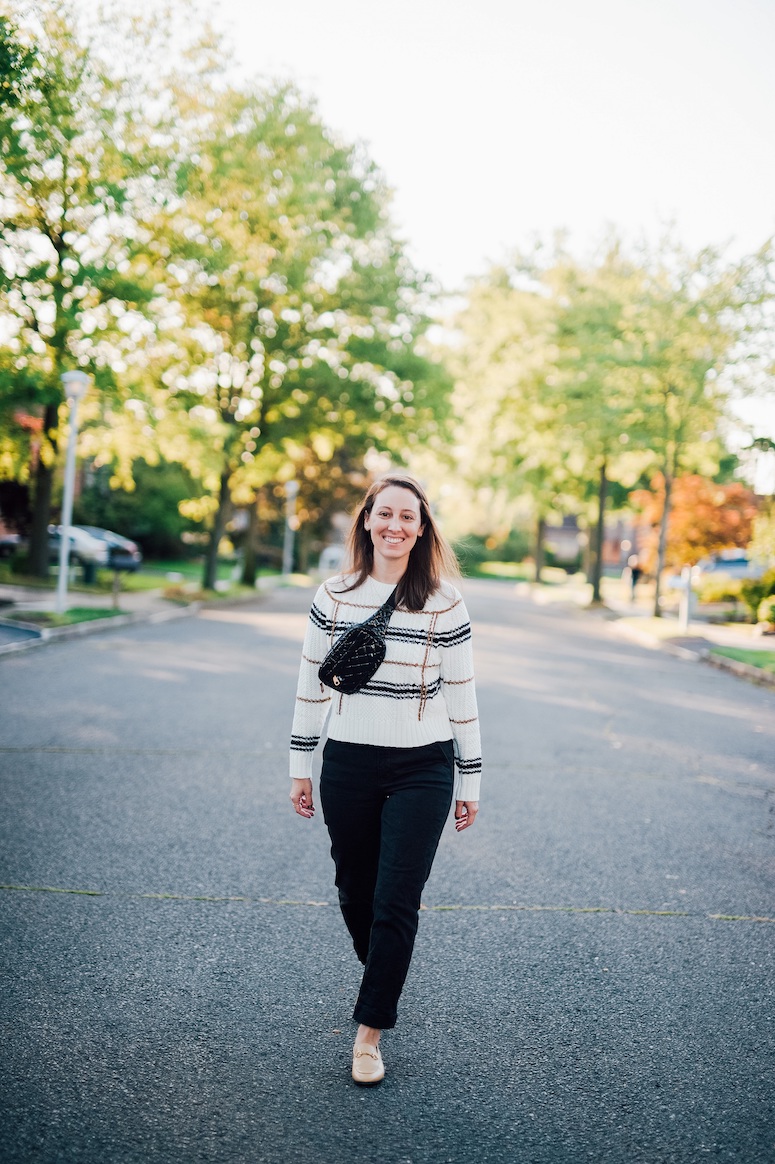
[(422, 692)]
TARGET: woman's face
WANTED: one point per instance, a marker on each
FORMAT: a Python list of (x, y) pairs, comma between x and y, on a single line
[(394, 524)]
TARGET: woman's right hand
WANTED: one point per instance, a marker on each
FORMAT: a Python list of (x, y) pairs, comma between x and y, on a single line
[(301, 798)]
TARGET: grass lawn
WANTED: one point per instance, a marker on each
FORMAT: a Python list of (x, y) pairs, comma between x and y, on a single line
[(74, 614), (152, 576), (765, 660)]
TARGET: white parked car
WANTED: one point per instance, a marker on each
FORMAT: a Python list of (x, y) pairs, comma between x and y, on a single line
[(84, 549)]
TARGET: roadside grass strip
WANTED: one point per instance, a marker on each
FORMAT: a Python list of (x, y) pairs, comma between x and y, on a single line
[(453, 908), (763, 659), (49, 618)]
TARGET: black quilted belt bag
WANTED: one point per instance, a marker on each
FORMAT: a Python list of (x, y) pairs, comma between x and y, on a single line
[(355, 657)]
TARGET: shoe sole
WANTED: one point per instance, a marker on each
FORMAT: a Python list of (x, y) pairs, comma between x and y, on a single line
[(368, 1082)]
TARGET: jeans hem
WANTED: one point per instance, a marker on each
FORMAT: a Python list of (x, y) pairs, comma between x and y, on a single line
[(373, 1020)]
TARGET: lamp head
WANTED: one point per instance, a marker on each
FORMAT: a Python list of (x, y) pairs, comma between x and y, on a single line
[(75, 384)]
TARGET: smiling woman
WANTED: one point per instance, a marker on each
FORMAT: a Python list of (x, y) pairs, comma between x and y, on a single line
[(394, 525), (399, 748)]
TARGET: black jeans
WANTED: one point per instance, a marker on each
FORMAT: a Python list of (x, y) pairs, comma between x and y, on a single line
[(384, 809)]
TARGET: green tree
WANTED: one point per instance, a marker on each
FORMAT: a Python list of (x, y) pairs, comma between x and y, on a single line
[(300, 314), (698, 327), (507, 447), (17, 61), (545, 366), (597, 390), (148, 512), (77, 160), (576, 378)]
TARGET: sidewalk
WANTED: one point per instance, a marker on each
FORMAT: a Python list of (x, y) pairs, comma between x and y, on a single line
[(43, 598), (638, 619), (136, 606), (635, 621)]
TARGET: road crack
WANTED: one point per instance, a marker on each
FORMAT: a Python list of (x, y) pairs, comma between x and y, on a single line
[(495, 907)]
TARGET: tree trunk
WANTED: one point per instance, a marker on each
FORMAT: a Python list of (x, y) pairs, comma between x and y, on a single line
[(249, 552), (217, 532), (662, 545), (539, 547), (41, 513), (597, 561)]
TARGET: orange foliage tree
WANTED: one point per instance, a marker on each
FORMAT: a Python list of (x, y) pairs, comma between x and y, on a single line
[(704, 518)]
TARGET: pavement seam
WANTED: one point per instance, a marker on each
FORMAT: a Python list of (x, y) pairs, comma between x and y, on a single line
[(454, 908)]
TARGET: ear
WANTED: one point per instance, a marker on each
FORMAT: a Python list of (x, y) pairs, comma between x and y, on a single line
[(421, 531), (366, 517)]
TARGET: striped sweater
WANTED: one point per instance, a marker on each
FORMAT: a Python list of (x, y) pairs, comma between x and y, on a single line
[(422, 692)]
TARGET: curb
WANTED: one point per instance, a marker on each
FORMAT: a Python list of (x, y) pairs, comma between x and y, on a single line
[(53, 634), (744, 670)]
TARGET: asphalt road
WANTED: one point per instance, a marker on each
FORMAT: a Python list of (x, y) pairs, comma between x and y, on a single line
[(593, 974)]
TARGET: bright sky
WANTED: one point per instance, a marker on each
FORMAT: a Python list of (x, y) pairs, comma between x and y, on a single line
[(496, 119)]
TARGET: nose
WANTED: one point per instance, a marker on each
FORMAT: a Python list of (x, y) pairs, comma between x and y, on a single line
[(394, 523)]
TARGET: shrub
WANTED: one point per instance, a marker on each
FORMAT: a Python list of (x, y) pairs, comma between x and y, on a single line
[(719, 589), (766, 610), (753, 590), (475, 549)]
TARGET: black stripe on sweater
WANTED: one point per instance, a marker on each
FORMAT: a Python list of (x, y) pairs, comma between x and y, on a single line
[(401, 690), (396, 634), (304, 743)]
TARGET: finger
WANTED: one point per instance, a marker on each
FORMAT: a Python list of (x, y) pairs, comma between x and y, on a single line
[(301, 806), (465, 814)]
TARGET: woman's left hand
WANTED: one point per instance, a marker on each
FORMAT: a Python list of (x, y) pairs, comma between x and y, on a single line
[(465, 813)]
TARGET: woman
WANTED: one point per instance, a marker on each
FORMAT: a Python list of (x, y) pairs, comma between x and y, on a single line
[(388, 773)]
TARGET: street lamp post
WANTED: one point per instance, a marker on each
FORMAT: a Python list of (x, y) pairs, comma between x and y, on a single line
[(291, 525), (75, 384)]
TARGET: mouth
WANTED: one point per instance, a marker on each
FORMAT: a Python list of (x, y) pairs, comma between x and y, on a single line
[(392, 541)]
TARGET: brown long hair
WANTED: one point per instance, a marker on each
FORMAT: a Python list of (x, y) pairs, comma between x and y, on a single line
[(431, 559)]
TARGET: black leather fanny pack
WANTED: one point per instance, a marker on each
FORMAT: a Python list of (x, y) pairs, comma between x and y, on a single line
[(353, 660)]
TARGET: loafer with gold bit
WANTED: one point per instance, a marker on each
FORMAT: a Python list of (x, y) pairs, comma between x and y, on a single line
[(368, 1067)]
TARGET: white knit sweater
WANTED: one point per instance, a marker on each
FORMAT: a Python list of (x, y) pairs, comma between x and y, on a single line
[(422, 692)]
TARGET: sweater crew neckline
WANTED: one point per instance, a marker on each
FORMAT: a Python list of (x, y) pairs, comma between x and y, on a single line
[(384, 585)]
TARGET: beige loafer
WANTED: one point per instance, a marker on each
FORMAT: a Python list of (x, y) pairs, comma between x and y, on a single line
[(368, 1067)]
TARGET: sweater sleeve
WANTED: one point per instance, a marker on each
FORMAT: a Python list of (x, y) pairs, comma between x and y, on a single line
[(312, 699), (457, 675)]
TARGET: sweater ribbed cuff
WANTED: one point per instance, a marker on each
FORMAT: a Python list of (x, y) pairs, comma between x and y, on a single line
[(467, 786), (301, 765)]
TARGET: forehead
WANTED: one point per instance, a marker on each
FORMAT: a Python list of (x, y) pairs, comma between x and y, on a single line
[(395, 497)]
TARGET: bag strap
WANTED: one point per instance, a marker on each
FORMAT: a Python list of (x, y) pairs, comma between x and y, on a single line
[(381, 617)]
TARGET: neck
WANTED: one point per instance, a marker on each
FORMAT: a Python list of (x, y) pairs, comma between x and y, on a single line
[(387, 572)]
